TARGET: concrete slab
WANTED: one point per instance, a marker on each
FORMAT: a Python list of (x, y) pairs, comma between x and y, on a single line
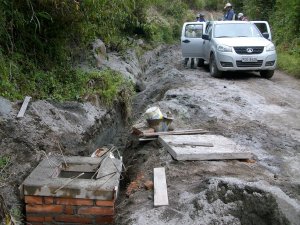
[(223, 148), (45, 179)]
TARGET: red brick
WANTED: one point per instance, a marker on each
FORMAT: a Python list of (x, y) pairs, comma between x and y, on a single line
[(48, 200), (105, 203), (33, 199), (69, 210), (48, 219), (107, 220), (96, 210), (34, 218), (44, 208), (73, 219), (73, 201)]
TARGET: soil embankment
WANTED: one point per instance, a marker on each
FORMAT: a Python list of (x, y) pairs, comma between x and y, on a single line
[(262, 115)]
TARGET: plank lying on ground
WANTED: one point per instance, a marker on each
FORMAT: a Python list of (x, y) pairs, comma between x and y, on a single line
[(176, 132), (223, 148), (141, 131), (160, 187), (148, 139), (24, 107), (204, 144)]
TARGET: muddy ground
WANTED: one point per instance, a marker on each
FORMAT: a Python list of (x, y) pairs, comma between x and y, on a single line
[(262, 115)]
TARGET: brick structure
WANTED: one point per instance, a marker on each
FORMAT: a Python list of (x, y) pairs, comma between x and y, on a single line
[(51, 199)]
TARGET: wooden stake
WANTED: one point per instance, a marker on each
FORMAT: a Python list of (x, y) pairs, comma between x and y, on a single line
[(160, 187), (24, 107)]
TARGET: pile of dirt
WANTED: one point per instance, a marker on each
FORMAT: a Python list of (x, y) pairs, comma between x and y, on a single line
[(217, 202)]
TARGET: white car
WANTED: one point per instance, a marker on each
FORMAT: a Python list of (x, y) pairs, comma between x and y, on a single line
[(231, 46)]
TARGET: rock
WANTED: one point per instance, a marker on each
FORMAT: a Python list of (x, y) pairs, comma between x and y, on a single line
[(99, 51), (133, 187), (149, 185)]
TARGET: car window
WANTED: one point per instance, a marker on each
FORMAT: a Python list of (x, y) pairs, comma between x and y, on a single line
[(262, 27), (193, 30), (236, 30)]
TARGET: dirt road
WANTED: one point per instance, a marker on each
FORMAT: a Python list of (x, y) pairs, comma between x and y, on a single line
[(262, 115)]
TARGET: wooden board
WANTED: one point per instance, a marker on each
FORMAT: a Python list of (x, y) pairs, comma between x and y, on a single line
[(160, 187), (223, 148), (176, 132), (24, 107)]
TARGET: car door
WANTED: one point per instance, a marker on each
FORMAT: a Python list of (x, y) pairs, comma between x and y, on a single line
[(206, 43), (263, 27), (191, 39)]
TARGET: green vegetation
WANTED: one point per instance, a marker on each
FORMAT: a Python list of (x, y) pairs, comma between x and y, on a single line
[(4, 160), (107, 84), (41, 42), (290, 63), (285, 22)]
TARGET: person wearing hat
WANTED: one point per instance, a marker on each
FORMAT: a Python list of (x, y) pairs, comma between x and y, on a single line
[(200, 18), (229, 14), (242, 17)]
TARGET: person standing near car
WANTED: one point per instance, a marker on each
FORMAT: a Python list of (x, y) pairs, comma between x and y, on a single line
[(242, 17), (200, 17), (229, 14)]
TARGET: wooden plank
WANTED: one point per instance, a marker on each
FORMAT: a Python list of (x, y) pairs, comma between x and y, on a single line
[(141, 131), (160, 187), (223, 148), (148, 139), (204, 144), (176, 132), (24, 107)]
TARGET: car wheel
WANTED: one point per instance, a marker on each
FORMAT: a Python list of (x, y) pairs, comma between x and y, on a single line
[(200, 62), (267, 73), (214, 71)]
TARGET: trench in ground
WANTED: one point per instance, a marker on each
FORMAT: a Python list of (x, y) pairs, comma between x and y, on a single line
[(248, 205)]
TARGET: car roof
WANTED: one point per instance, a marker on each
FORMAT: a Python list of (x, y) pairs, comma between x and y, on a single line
[(229, 21)]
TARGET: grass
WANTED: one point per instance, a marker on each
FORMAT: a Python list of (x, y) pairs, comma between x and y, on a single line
[(4, 160), (289, 63)]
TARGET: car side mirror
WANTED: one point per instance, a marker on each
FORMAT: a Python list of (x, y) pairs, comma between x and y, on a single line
[(265, 35), (205, 37)]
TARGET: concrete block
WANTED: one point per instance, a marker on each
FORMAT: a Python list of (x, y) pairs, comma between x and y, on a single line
[(223, 148)]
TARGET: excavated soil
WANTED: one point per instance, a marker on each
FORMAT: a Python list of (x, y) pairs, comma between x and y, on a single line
[(262, 115)]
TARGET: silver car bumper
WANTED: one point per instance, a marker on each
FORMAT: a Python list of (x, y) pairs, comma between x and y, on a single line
[(231, 61)]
